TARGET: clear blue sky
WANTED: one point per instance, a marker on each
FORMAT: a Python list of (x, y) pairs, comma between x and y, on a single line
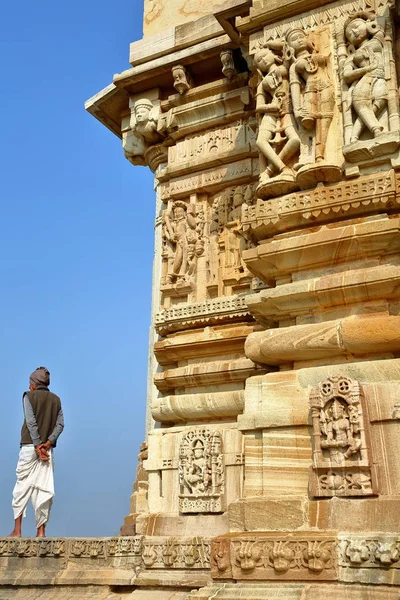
[(76, 250)]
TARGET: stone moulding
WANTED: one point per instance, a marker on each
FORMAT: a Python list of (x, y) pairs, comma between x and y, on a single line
[(292, 591), (362, 196), (349, 336), (199, 314), (326, 248), (184, 407), (211, 180), (316, 295)]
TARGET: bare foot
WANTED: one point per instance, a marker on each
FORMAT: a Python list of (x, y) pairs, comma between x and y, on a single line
[(41, 532), (15, 534)]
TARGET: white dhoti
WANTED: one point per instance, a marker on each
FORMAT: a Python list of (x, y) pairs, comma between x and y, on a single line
[(35, 481)]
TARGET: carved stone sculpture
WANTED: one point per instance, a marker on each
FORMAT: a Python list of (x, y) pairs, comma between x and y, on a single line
[(142, 144), (226, 242), (201, 472), (313, 99), (341, 447), (182, 242), (277, 139), (228, 64), (182, 79), (368, 114)]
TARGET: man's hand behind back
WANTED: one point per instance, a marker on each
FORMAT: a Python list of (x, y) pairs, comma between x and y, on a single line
[(42, 451)]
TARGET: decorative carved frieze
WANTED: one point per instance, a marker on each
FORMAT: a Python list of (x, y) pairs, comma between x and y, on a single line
[(370, 552), (186, 316), (342, 464), (176, 553), (201, 472), (211, 180), (361, 196), (100, 548), (220, 143), (275, 557)]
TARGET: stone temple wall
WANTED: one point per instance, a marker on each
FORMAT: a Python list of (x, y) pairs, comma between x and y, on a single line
[(271, 467)]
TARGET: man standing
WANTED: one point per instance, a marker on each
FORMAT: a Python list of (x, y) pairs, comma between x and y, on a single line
[(43, 424)]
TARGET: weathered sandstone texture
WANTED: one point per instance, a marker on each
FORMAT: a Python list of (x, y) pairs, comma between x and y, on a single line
[(271, 467)]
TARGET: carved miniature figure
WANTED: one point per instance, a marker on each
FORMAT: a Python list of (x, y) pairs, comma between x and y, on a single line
[(182, 79), (364, 73), (228, 64), (180, 233), (273, 107)]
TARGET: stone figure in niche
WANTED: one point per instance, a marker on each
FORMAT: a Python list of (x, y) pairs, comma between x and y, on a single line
[(277, 140), (180, 237), (340, 429), (342, 463), (182, 79), (313, 100), (235, 243), (201, 473), (213, 248), (226, 242)]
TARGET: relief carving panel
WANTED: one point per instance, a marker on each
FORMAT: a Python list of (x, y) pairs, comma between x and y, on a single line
[(201, 472), (342, 463)]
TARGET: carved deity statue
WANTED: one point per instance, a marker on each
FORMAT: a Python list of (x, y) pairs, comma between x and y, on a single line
[(201, 473), (340, 429), (180, 237), (277, 139), (311, 88), (342, 464), (364, 73)]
